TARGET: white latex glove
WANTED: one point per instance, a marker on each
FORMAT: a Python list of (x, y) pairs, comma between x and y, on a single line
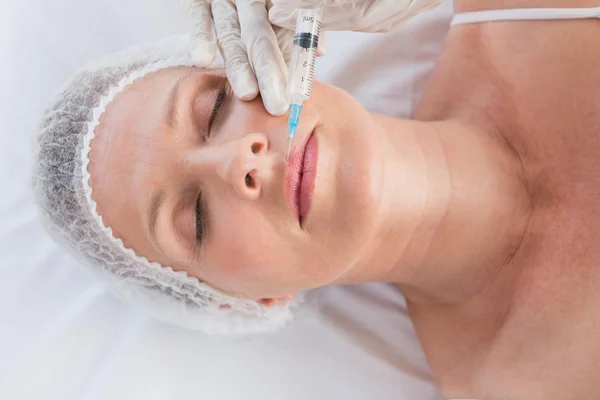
[(249, 44), (352, 15)]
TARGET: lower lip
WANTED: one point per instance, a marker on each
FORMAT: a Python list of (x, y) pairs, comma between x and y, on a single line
[(309, 175)]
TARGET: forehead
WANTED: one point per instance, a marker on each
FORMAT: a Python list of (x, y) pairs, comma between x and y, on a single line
[(140, 107), (134, 125), (122, 144)]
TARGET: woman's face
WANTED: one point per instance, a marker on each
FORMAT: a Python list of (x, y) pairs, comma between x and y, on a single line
[(193, 178)]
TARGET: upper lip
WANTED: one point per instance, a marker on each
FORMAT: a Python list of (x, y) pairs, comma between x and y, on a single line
[(294, 176)]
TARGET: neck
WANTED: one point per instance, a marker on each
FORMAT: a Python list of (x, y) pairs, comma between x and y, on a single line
[(454, 210)]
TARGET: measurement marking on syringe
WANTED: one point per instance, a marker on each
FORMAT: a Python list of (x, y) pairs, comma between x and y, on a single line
[(302, 68)]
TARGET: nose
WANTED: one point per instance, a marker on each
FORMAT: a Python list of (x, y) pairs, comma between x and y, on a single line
[(245, 165)]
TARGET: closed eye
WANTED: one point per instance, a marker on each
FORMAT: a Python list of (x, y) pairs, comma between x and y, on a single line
[(220, 108), (218, 103), (201, 209), (200, 219)]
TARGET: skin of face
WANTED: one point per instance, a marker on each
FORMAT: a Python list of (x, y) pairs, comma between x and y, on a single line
[(252, 244)]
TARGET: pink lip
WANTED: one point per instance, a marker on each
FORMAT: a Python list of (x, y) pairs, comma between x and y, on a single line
[(301, 176), (309, 175)]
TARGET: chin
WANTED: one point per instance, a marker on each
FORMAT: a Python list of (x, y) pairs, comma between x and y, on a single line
[(347, 200)]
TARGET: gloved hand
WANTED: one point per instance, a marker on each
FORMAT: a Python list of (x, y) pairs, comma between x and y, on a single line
[(352, 15), (255, 52)]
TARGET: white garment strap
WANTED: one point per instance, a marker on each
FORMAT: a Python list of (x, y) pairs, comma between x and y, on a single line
[(525, 14)]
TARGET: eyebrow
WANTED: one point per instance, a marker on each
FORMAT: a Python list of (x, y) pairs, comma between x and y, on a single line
[(171, 119), (157, 199)]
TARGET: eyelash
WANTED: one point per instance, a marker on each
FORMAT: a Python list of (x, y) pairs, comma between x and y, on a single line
[(200, 222), (218, 103), (200, 207)]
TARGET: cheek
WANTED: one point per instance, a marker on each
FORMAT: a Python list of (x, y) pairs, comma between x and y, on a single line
[(325, 96), (242, 248)]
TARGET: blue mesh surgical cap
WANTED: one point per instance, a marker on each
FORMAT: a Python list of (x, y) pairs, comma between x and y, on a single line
[(62, 192)]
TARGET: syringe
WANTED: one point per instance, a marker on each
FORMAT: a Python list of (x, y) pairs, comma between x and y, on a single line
[(302, 69)]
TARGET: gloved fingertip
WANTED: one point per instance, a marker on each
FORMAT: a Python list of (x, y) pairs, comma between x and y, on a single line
[(248, 96), (246, 93), (275, 99), (277, 109), (243, 83), (203, 52)]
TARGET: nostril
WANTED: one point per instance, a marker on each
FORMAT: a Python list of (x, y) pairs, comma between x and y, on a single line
[(256, 147), (250, 181)]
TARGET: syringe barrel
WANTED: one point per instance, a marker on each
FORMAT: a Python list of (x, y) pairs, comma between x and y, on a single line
[(304, 53)]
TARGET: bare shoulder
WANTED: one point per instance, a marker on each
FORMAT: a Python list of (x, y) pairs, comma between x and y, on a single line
[(548, 344), (537, 334)]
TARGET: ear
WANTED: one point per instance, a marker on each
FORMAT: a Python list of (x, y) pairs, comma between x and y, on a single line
[(269, 302)]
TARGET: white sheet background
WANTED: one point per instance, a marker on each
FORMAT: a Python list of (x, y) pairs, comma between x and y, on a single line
[(63, 336)]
